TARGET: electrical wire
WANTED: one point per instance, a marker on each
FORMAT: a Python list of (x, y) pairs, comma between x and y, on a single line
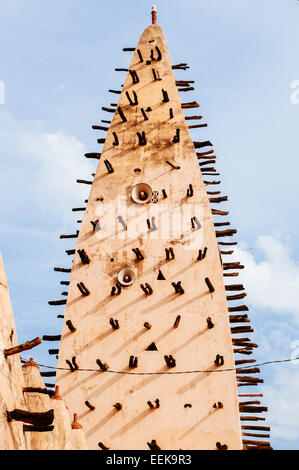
[(170, 372)]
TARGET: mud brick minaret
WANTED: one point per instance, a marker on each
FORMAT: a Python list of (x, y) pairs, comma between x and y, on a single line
[(146, 358)]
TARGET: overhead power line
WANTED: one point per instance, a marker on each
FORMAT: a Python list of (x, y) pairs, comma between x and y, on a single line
[(166, 373)]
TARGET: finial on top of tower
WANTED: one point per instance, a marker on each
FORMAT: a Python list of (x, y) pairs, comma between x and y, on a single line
[(154, 14)]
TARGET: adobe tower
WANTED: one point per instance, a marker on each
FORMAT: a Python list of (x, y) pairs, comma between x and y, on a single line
[(146, 358)]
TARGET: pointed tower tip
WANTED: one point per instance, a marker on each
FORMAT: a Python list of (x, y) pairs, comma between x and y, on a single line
[(57, 395), (30, 363), (154, 14), (75, 424)]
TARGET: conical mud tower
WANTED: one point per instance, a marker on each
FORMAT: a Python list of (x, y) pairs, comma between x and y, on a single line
[(146, 355)]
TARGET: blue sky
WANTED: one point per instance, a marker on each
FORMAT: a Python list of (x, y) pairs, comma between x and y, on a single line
[(57, 61)]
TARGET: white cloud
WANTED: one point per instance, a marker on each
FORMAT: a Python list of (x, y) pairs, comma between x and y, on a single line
[(41, 168), (282, 396), (271, 279), (273, 282)]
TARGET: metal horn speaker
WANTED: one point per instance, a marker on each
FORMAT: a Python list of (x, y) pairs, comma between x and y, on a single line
[(142, 193), (126, 277)]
